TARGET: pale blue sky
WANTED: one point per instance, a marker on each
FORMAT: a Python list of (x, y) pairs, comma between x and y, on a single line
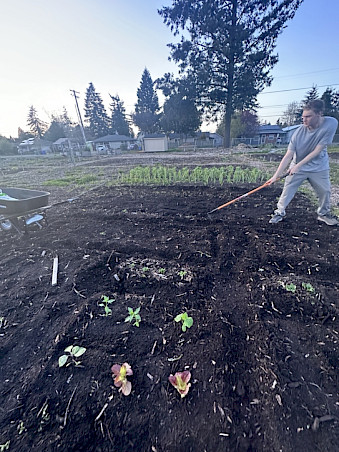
[(50, 47)]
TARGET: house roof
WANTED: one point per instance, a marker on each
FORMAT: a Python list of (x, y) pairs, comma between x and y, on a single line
[(112, 138), (155, 135), (287, 129), (268, 128), (215, 135), (60, 141)]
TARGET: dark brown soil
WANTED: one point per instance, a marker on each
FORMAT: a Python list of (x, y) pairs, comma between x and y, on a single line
[(263, 359)]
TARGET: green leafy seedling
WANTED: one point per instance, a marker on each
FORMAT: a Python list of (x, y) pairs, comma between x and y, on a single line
[(73, 352), (308, 287), (161, 271), (21, 428), (291, 287), (133, 316), (104, 303), (44, 416), (187, 321), (5, 446), (182, 274)]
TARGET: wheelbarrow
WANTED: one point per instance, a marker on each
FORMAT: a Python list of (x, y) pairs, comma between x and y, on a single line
[(20, 208)]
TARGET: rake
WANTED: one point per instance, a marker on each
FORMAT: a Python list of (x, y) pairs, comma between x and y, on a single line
[(266, 184)]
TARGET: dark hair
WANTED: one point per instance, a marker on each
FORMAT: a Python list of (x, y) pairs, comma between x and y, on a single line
[(316, 105)]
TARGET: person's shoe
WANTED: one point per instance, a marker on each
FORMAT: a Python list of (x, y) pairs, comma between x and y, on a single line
[(329, 219), (276, 218)]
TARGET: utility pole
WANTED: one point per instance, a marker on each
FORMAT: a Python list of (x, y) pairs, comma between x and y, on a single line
[(74, 93)]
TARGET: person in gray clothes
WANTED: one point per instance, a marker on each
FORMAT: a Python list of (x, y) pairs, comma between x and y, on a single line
[(307, 151)]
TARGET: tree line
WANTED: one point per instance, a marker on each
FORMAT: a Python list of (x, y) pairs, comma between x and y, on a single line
[(225, 54), (179, 114)]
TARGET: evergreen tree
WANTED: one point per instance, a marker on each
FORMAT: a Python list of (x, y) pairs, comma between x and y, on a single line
[(180, 113), (312, 94), (66, 122), (55, 131), (331, 103), (230, 51), (118, 120), (36, 126), (61, 127), (95, 113), (146, 109)]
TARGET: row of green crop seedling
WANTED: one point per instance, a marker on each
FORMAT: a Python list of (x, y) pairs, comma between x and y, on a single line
[(163, 175), (180, 380), (290, 287)]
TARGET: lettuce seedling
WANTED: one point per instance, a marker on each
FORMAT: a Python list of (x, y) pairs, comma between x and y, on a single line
[(291, 287), (120, 381), (74, 351), (187, 321), (133, 316), (308, 287), (105, 302), (180, 381)]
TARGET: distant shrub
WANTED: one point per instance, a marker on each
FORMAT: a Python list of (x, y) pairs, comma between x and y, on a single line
[(7, 147)]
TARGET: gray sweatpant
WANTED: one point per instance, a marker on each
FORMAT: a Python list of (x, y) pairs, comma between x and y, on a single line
[(320, 182)]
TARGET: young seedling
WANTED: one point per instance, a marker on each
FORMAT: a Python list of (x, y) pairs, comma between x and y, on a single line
[(187, 321), (21, 428), (120, 374), (133, 316), (44, 416), (104, 303), (291, 287), (5, 446), (308, 287), (180, 381), (73, 352), (161, 271), (182, 274)]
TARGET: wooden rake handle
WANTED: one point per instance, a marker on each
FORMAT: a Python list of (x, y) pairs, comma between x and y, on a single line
[(246, 194)]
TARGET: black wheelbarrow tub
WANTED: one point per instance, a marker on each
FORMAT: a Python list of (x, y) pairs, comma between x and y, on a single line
[(22, 200)]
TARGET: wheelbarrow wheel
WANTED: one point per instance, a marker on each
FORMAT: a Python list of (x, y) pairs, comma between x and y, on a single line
[(6, 225)]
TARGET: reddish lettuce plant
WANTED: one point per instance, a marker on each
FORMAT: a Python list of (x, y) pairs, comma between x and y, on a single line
[(180, 381), (120, 381)]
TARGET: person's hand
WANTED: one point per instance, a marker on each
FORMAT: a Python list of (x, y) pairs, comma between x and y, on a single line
[(293, 170), (273, 179)]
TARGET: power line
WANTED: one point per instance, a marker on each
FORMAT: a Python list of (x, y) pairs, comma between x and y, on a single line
[(307, 73), (274, 106), (299, 89), (269, 116)]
